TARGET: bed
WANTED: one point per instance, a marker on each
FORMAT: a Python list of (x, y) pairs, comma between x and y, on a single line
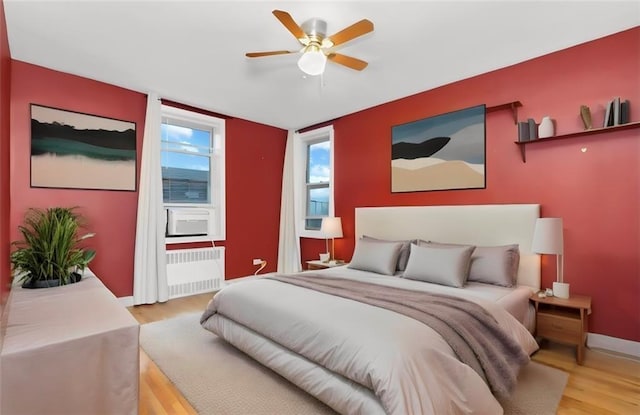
[(361, 358)]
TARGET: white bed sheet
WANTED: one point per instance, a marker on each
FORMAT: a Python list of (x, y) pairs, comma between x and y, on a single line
[(514, 299)]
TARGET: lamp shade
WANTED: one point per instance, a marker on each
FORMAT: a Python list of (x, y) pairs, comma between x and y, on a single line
[(312, 61), (331, 227), (547, 236)]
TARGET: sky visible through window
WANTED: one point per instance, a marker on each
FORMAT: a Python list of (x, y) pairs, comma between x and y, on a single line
[(194, 141)]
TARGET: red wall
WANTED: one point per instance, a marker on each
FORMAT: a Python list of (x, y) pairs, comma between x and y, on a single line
[(255, 154), (596, 192), (110, 214), (5, 104)]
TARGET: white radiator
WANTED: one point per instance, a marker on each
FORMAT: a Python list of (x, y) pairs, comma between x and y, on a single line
[(194, 271)]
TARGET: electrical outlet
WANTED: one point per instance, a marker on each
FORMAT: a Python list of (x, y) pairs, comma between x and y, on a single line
[(257, 261)]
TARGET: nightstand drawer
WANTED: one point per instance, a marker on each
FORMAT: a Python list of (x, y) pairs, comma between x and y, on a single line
[(560, 328)]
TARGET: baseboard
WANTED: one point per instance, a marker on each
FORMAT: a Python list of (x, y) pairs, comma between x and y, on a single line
[(614, 344), (126, 301)]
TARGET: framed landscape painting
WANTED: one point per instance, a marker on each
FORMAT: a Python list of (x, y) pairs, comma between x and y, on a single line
[(81, 151), (443, 152)]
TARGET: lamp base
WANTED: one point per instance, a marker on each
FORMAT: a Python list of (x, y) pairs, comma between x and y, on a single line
[(561, 290)]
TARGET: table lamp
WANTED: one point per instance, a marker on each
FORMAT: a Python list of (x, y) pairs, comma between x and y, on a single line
[(331, 228), (547, 239)]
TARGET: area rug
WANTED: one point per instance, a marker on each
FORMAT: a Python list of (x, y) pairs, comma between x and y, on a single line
[(218, 379)]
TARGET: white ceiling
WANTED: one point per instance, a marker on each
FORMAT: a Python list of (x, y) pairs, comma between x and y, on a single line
[(193, 52)]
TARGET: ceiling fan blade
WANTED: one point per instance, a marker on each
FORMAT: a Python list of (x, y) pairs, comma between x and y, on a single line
[(360, 28), (291, 25), (260, 54), (348, 61)]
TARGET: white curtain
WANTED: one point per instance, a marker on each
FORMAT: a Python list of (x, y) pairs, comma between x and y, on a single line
[(289, 242), (150, 266)]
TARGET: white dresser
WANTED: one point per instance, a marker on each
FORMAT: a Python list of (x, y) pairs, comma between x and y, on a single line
[(69, 350)]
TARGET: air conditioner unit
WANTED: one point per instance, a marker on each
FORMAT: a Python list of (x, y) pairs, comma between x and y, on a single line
[(187, 222)]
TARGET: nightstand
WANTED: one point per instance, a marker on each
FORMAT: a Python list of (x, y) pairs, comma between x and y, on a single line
[(563, 320), (317, 264)]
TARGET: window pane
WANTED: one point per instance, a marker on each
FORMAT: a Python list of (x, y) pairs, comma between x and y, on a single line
[(185, 139), (313, 224), (170, 131), (318, 163), (185, 178), (170, 146), (318, 201)]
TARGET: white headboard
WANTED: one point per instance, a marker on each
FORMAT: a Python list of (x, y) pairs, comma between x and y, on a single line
[(480, 225)]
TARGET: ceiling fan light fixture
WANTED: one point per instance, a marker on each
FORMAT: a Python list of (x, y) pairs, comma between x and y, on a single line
[(313, 60), (316, 46)]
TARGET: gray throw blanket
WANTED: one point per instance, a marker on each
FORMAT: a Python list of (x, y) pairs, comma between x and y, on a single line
[(472, 333)]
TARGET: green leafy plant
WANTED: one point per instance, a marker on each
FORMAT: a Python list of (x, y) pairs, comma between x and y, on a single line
[(50, 248)]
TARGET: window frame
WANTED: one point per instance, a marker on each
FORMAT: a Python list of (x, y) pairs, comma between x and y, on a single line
[(300, 170), (217, 191)]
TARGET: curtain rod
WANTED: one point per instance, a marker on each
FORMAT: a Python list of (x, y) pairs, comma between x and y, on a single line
[(175, 104)]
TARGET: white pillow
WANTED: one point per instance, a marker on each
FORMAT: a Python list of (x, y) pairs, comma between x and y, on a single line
[(378, 257), (444, 266)]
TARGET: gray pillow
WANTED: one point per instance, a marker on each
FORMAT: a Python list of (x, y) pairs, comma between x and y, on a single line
[(378, 257), (404, 250), (497, 265), (445, 266)]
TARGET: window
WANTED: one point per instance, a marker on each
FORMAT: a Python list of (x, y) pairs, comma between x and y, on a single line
[(314, 173), (192, 161), (318, 168)]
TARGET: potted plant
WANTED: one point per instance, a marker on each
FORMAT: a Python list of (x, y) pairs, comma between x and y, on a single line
[(49, 255)]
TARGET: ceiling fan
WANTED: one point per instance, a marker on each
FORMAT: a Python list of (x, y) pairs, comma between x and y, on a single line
[(316, 49)]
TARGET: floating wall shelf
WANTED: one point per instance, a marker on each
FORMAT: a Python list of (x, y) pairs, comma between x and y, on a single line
[(513, 106), (523, 144)]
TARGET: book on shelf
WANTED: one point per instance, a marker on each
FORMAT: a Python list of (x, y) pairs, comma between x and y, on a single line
[(523, 131), (533, 129), (616, 111), (624, 112), (608, 115)]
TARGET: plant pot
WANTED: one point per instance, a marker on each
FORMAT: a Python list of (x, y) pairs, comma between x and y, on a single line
[(74, 277)]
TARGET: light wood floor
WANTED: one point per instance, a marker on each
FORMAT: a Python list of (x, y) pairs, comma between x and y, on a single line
[(605, 384)]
